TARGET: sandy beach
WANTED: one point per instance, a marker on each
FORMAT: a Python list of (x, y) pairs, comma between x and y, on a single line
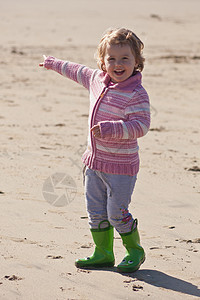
[(43, 125)]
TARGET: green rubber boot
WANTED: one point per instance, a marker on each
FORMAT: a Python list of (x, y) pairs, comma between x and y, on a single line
[(135, 255), (103, 255)]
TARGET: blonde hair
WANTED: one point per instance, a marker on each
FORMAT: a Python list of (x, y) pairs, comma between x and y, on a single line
[(120, 36)]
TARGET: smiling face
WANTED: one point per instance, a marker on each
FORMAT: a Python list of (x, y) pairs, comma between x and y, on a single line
[(119, 62)]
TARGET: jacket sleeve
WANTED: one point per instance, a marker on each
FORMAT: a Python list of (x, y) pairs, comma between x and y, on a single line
[(138, 120), (78, 73)]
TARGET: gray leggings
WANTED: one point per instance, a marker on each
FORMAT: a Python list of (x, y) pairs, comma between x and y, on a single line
[(107, 198)]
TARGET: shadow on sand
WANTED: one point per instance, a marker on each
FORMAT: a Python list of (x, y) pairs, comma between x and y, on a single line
[(160, 279)]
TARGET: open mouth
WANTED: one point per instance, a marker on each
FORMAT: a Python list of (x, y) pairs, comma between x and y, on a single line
[(119, 73)]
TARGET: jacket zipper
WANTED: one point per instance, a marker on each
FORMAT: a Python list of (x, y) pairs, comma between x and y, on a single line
[(92, 121)]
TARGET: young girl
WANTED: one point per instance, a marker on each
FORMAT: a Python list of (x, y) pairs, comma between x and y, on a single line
[(119, 114)]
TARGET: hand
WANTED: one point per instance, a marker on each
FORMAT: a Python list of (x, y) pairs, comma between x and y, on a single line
[(42, 64), (96, 131)]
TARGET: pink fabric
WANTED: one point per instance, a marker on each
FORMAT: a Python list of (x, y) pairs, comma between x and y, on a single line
[(122, 110)]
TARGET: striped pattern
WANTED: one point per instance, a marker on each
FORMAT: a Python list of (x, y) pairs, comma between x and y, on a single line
[(122, 110)]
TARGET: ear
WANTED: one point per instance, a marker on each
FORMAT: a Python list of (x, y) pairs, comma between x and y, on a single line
[(103, 66)]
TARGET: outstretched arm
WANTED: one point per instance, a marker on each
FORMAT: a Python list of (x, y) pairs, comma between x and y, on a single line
[(77, 72)]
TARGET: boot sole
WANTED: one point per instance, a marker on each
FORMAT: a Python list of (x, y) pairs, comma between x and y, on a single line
[(134, 269), (103, 265)]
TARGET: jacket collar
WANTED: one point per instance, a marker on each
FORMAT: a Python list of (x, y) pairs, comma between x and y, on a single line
[(128, 85)]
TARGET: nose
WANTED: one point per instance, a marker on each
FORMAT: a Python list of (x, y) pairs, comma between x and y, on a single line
[(118, 63)]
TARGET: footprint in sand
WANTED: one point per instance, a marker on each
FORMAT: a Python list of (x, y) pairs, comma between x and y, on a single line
[(12, 277), (54, 256), (194, 169)]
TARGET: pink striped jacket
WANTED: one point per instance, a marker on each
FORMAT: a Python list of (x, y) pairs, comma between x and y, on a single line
[(122, 110)]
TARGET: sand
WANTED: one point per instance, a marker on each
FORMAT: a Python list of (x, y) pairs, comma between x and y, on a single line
[(43, 120)]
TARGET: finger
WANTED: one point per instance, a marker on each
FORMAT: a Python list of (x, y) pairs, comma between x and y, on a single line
[(93, 128), (95, 132), (44, 56)]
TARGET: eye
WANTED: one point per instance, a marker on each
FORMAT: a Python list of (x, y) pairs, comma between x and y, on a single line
[(125, 58), (130, 262), (110, 58)]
